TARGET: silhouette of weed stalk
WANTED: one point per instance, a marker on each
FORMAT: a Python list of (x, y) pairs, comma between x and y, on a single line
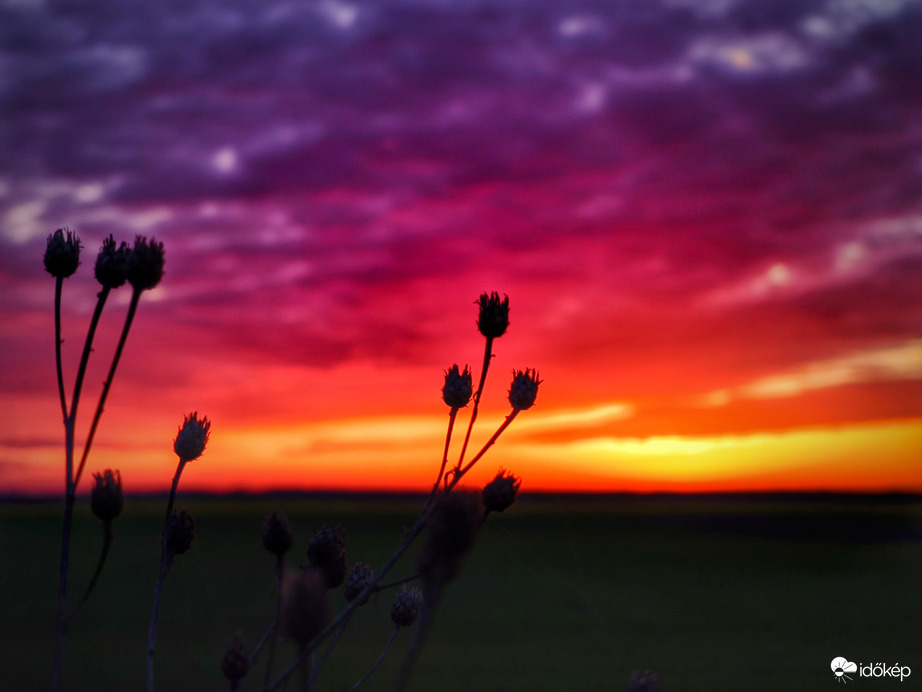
[(450, 516)]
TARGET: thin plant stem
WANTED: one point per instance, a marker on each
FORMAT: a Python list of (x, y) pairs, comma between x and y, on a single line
[(166, 558), (58, 289), (435, 487), (280, 565), (106, 544), (61, 630), (172, 498), (270, 631), (69, 497), (315, 670), (85, 358), (483, 450), (129, 318), (374, 667), (487, 356)]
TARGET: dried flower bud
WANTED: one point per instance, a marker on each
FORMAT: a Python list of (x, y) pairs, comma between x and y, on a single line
[(107, 498), (406, 606), (277, 534), (62, 253), (493, 320), (450, 535), (192, 437), (236, 661), (524, 389), (180, 531), (358, 578), (499, 494), (327, 552), (305, 609), (643, 682), (458, 388), (145, 263), (112, 263)]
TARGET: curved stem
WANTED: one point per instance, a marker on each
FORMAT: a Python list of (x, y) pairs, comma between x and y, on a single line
[(165, 559), (107, 543), (172, 498), (374, 667), (129, 318), (487, 355), (87, 349)]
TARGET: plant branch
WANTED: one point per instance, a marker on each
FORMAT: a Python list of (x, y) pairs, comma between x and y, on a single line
[(374, 667), (107, 543), (487, 355), (132, 308)]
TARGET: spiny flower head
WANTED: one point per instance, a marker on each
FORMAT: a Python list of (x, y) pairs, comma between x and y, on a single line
[(180, 531), (493, 320), (236, 661), (277, 534), (358, 578), (499, 494), (112, 263), (327, 552), (406, 606), (524, 388), (107, 499), (145, 263), (62, 253), (458, 388), (192, 437), (305, 609)]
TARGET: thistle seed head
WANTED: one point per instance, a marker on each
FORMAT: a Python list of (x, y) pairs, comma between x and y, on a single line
[(112, 263), (180, 531), (62, 253), (499, 494), (236, 661), (277, 534), (192, 437), (406, 606), (493, 320), (524, 388), (358, 578), (107, 499), (458, 388), (305, 609), (327, 552), (145, 263)]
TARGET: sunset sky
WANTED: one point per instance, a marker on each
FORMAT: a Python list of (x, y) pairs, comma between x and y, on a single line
[(707, 215)]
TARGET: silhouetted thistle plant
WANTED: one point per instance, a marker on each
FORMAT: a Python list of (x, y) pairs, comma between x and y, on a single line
[(178, 529), (112, 268), (236, 662), (450, 518)]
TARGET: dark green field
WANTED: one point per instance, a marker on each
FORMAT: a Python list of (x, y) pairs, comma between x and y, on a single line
[(559, 594)]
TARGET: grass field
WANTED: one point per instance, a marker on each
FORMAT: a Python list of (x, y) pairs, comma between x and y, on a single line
[(559, 594)]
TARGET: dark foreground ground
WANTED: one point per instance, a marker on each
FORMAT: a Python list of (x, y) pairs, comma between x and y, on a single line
[(560, 593)]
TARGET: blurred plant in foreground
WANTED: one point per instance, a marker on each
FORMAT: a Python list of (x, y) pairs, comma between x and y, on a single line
[(142, 267), (450, 518)]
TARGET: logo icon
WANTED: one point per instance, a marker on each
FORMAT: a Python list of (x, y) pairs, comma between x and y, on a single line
[(840, 666)]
